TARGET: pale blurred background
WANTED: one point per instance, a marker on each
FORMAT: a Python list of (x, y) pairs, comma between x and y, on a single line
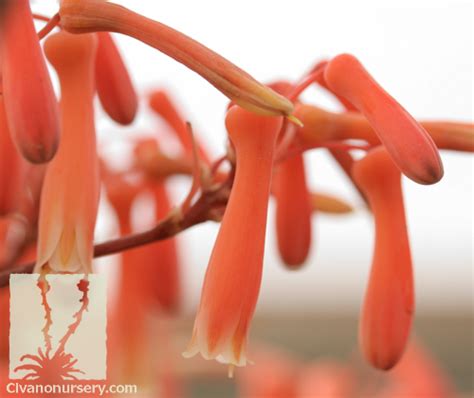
[(422, 53)]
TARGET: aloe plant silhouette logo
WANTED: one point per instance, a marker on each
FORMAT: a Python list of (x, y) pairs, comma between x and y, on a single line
[(61, 335)]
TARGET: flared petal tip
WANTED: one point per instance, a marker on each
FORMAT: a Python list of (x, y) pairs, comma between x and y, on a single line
[(226, 356)]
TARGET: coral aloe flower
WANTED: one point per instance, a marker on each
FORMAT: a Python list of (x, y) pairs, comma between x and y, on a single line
[(293, 211), (12, 168), (233, 276), (389, 301), (114, 85), (406, 140), (70, 194), (30, 103), (98, 15)]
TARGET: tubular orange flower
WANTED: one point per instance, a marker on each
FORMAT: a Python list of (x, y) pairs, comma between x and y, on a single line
[(418, 375), (98, 15), (293, 211), (131, 344), (389, 301), (293, 208), (114, 85), (12, 168), (328, 379), (408, 143), (233, 277), (322, 82), (68, 209), (30, 103), (161, 258)]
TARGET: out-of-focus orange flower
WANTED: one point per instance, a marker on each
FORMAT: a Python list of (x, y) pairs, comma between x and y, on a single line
[(97, 15), (293, 207), (389, 301), (114, 85), (12, 168), (162, 104), (274, 375), (161, 260), (293, 211), (326, 379), (329, 204), (30, 103), (417, 375), (70, 194), (407, 141), (233, 276)]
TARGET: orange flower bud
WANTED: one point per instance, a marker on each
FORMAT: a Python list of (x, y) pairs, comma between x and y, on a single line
[(293, 211), (327, 379), (114, 85), (70, 195), (30, 103), (98, 15), (407, 141), (389, 301), (233, 277), (12, 168)]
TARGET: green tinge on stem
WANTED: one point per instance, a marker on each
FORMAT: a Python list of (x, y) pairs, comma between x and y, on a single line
[(236, 84)]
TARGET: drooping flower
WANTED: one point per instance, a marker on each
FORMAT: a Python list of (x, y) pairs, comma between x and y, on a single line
[(12, 168), (70, 194), (30, 103), (114, 85), (158, 263), (292, 198), (406, 140), (233, 276), (98, 15), (293, 211), (389, 300)]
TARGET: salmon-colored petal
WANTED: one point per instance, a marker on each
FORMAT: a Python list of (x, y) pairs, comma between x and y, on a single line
[(30, 102), (68, 211), (114, 85), (293, 211), (406, 140), (232, 280), (389, 301), (239, 86)]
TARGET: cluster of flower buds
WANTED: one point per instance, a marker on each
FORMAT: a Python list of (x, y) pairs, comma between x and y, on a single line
[(49, 147)]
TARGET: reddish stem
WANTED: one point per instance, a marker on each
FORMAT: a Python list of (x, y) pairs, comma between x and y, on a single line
[(52, 23)]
